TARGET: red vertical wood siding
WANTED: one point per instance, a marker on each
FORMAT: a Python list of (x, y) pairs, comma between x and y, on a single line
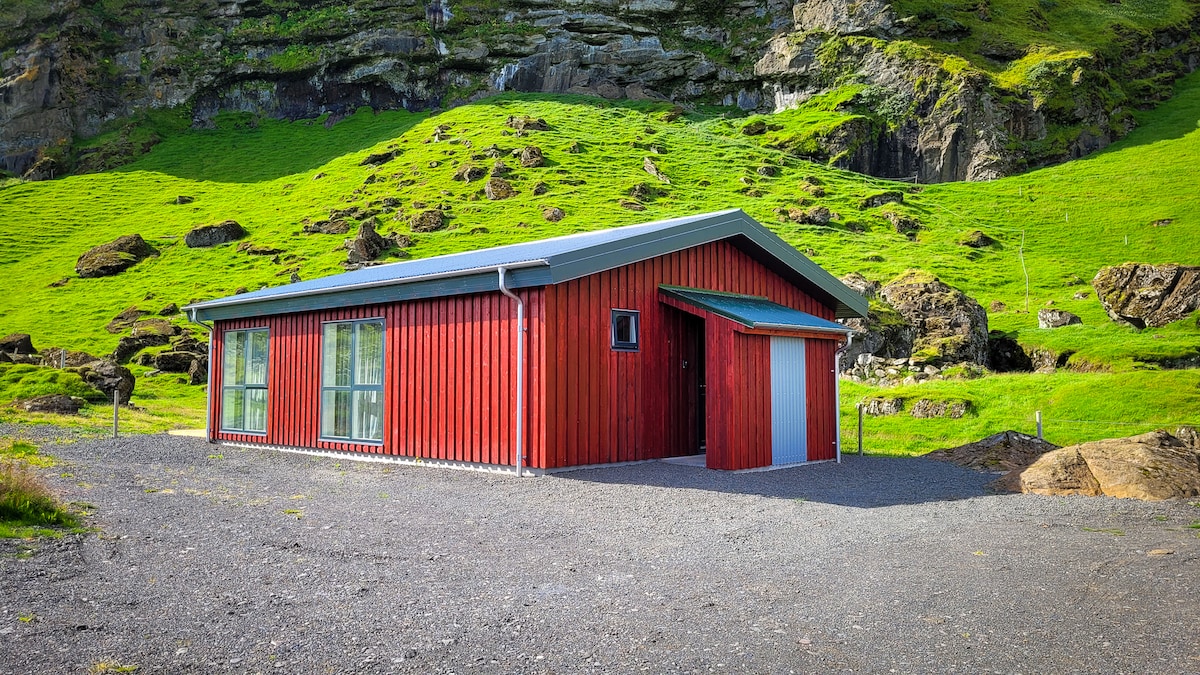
[(821, 398), (450, 372), (607, 406), (449, 378)]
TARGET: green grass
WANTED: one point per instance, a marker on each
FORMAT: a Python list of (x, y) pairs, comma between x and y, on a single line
[(1073, 218), (27, 507), (1075, 407)]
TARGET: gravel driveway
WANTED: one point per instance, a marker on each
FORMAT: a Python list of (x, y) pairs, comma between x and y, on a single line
[(215, 559)]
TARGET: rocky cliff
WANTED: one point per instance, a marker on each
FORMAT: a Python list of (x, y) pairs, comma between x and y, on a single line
[(68, 68)]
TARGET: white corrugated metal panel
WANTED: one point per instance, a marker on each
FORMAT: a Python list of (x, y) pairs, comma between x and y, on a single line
[(788, 415)]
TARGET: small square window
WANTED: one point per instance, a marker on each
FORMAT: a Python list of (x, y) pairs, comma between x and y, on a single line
[(625, 330)]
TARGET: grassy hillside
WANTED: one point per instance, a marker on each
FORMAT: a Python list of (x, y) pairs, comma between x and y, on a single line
[(1058, 224)]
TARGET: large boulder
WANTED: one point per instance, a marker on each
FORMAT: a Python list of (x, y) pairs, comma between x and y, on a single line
[(204, 236), (1148, 295), (1153, 466), (17, 343), (108, 377), (950, 327), (114, 257)]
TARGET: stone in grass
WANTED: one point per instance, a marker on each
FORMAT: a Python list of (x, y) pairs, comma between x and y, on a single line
[(429, 220), (378, 158), (498, 188), (977, 239), (205, 236), (767, 171), (928, 408), (554, 214), (903, 223), (541, 188), (879, 407), (114, 257), (170, 310), (17, 343), (651, 168), (1056, 318), (531, 157), (367, 245), (125, 319), (328, 227), (252, 249), (500, 168), (184, 199), (60, 404), (632, 206), (755, 128), (469, 172), (1148, 296), (526, 123), (881, 198)]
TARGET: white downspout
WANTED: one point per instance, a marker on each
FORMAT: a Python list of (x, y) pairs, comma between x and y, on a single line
[(208, 374), (837, 392), (520, 371)]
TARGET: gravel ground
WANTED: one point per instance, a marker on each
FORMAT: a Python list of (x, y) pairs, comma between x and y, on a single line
[(215, 559)]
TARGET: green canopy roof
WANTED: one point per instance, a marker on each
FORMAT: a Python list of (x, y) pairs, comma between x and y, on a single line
[(753, 311)]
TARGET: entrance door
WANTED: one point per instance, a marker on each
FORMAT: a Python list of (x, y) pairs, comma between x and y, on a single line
[(685, 386), (789, 428)]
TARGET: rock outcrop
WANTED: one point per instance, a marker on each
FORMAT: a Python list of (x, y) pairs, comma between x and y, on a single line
[(367, 245), (1148, 295), (108, 378), (1153, 466), (69, 67), (1005, 354), (114, 257), (950, 327)]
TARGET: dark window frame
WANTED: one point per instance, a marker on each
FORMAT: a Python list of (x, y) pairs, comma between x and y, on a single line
[(635, 327), (354, 386), (245, 337)]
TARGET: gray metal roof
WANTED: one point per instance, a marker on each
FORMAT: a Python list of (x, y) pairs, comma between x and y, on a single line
[(538, 263), (753, 311)]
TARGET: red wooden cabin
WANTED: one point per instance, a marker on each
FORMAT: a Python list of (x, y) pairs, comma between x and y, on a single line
[(678, 337)]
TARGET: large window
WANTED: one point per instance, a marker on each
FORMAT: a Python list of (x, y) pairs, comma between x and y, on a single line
[(352, 380), (244, 381)]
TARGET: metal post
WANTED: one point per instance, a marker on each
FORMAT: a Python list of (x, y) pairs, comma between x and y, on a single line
[(62, 362), (1038, 415), (860, 420), (116, 410)]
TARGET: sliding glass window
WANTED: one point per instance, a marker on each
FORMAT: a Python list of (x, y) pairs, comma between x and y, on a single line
[(244, 381), (352, 380)]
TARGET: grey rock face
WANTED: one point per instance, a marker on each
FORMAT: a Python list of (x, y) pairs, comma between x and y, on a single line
[(950, 327), (1148, 295), (52, 403)]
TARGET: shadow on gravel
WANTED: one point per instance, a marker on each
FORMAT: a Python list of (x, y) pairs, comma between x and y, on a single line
[(862, 482)]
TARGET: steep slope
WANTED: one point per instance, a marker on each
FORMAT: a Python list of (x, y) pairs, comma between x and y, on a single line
[(940, 91), (275, 177)]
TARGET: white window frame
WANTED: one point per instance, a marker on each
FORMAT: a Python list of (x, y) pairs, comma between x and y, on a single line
[(243, 335), (354, 387)]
